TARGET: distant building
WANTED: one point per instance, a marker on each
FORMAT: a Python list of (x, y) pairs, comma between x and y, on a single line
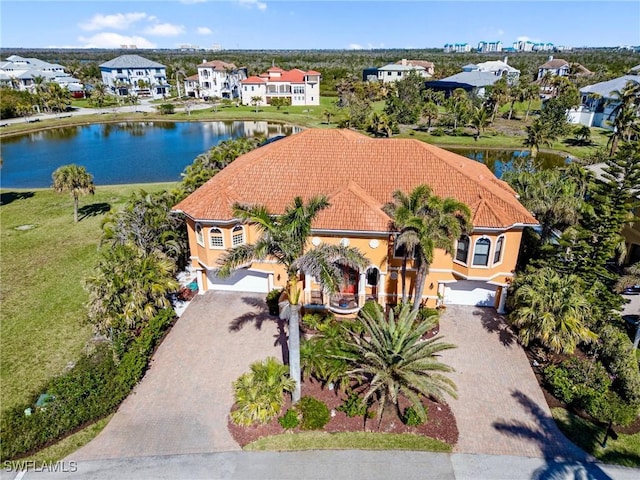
[(216, 79), (216, 47), (457, 48), (299, 86), (135, 75), (561, 68), (485, 47), (474, 82), (543, 47), (499, 68), (22, 73), (523, 46)]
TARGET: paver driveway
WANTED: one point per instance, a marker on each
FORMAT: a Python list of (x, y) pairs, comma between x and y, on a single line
[(501, 409), (182, 404)]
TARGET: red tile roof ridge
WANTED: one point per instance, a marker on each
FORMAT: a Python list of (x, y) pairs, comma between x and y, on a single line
[(484, 209), (362, 194)]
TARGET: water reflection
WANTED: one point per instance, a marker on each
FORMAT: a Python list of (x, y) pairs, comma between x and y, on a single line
[(122, 152), (500, 161)]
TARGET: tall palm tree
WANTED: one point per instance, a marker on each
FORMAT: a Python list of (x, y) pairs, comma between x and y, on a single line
[(391, 359), (552, 310), (530, 93), (426, 222), (516, 94), (537, 135), (498, 95), (625, 113), (430, 111), (76, 180), (284, 238), (479, 120)]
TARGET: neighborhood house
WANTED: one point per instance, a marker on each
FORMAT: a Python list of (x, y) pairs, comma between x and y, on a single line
[(215, 79), (359, 175), (299, 87), (135, 75)]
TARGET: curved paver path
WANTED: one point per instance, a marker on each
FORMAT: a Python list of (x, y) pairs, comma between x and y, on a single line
[(500, 409), (182, 404)]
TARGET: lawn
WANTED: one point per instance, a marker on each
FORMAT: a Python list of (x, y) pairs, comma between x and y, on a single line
[(625, 450), (348, 441), (43, 261)]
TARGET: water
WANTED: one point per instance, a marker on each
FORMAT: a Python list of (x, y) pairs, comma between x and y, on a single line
[(500, 161), (145, 152), (117, 153)]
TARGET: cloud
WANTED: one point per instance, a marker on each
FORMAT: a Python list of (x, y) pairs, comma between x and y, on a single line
[(355, 46), (114, 40), (204, 31), (164, 30), (524, 38), (119, 21), (500, 32), (253, 3)]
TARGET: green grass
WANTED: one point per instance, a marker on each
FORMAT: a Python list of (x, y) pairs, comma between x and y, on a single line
[(623, 451), (66, 446), (348, 441), (43, 325)]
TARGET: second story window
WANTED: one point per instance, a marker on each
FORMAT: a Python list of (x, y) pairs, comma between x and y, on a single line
[(237, 236), (497, 255), (462, 251), (481, 252), (216, 239), (199, 235)]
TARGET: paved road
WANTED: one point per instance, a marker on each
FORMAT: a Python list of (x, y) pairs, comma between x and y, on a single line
[(336, 465)]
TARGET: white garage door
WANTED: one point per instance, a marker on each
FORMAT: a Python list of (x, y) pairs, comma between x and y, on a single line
[(242, 280), (467, 292)]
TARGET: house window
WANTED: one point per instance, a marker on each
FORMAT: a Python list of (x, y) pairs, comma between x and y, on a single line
[(481, 252), (216, 240), (497, 256), (373, 276), (199, 235), (298, 89), (237, 236), (462, 251)]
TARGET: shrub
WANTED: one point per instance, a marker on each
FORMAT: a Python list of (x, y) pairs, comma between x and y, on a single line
[(353, 406), (167, 108), (611, 408), (438, 132), (289, 420), (272, 301), (618, 357), (312, 320), (370, 307), (259, 394), (412, 418), (578, 382), (315, 414)]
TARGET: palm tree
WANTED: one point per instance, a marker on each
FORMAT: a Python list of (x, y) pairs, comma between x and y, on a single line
[(129, 288), (537, 135), (379, 125), (327, 114), (552, 310), (75, 179), (430, 110), (284, 238), (625, 113), (391, 359), (479, 120), (530, 93), (256, 101), (458, 105), (426, 222), (498, 95)]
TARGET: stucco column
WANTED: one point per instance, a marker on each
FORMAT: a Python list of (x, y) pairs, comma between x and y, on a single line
[(503, 301), (270, 281), (200, 281), (307, 289), (382, 297), (440, 300), (362, 291)]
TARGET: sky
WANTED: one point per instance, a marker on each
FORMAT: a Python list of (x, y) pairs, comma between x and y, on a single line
[(313, 24)]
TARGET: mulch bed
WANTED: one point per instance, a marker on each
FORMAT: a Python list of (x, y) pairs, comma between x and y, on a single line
[(441, 423)]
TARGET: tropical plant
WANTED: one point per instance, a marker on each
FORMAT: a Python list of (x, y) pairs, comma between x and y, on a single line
[(425, 222), (314, 413), (552, 310), (391, 360), (479, 120), (128, 288), (530, 93), (283, 238), (498, 95), (74, 179), (256, 101), (259, 393), (459, 106), (625, 113), (430, 111), (379, 125), (537, 135)]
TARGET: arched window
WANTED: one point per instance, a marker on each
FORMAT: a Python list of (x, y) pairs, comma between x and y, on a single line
[(462, 251), (497, 255), (237, 236), (199, 235), (216, 239), (373, 275), (481, 252)]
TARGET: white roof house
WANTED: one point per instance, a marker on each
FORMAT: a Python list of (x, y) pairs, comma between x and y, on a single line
[(394, 72), (500, 68), (21, 73)]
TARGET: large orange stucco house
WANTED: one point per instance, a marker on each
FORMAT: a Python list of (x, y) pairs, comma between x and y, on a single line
[(359, 175)]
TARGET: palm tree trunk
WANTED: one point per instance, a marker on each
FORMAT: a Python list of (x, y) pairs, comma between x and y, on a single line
[(75, 208), (404, 279), (511, 109), (421, 277), (294, 351), (526, 116)]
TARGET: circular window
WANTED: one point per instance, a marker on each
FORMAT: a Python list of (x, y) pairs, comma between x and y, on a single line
[(316, 241), (344, 242), (374, 243)]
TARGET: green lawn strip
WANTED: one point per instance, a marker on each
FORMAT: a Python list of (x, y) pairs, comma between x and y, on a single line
[(64, 447), (43, 324), (625, 450), (348, 441)]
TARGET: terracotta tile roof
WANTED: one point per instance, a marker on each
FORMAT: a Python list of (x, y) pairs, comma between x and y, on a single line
[(290, 76), (193, 77), (359, 174), (218, 65), (254, 79), (555, 63), (419, 63)]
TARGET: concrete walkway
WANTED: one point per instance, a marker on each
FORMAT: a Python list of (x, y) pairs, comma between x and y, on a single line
[(182, 404), (501, 409)]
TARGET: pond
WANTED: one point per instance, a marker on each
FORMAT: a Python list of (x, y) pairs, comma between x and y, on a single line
[(117, 153), (145, 152), (500, 161)]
